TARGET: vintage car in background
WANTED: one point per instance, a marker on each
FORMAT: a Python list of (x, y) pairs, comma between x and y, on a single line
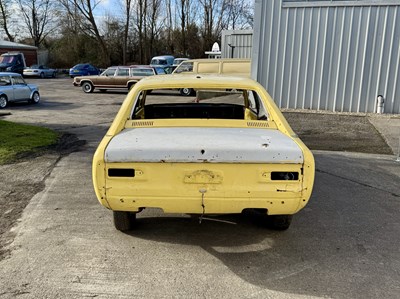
[(13, 88), (83, 69), (40, 71), (115, 77), (229, 150), (163, 61), (226, 66)]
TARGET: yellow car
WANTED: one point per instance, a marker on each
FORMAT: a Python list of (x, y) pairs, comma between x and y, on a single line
[(225, 150)]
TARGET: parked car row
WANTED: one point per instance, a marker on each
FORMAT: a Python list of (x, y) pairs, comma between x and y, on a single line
[(162, 64)]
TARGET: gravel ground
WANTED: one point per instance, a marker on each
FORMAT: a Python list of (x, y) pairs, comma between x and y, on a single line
[(338, 132)]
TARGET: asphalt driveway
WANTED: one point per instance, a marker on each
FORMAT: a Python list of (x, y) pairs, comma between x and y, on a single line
[(344, 244)]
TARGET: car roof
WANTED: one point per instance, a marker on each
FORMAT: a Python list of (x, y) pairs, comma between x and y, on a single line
[(141, 66), (163, 57), (9, 74), (82, 64), (130, 66), (218, 60), (197, 81)]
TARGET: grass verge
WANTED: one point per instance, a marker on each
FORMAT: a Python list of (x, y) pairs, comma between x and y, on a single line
[(17, 140)]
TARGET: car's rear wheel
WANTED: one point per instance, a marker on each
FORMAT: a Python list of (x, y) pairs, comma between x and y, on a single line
[(35, 98), (186, 92), (279, 222), (261, 218), (124, 221), (87, 87), (3, 102)]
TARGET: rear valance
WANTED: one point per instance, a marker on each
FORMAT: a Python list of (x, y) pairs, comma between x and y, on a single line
[(217, 145)]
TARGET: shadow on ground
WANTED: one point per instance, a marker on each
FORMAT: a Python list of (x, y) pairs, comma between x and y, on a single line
[(344, 241)]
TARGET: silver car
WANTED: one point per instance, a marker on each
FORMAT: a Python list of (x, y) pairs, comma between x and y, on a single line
[(13, 88), (41, 71)]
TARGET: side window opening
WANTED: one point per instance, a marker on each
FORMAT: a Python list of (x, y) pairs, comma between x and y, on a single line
[(123, 72), (184, 67), (18, 81), (109, 72), (262, 113), (138, 108)]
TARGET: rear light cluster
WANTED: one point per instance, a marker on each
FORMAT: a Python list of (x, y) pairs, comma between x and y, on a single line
[(284, 176), (275, 175), (121, 172)]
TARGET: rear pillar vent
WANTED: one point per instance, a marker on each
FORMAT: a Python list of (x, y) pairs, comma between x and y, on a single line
[(258, 124)]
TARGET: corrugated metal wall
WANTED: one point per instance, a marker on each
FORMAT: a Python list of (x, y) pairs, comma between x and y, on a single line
[(328, 55), (237, 43)]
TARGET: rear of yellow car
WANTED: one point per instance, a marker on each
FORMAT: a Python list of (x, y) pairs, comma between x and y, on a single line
[(202, 166)]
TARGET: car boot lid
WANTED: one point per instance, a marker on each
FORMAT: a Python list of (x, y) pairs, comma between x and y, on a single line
[(218, 145)]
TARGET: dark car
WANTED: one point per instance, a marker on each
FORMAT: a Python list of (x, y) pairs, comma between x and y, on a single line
[(12, 62), (83, 69)]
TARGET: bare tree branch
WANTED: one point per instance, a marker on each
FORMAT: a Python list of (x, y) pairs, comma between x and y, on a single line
[(5, 15)]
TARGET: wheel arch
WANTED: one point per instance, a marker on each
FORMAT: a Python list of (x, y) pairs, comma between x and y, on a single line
[(2, 94), (32, 93), (131, 83), (83, 81)]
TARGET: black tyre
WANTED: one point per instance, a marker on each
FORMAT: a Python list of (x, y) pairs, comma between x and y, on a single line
[(261, 218), (42, 75), (3, 101), (35, 98), (124, 221), (87, 87), (186, 92), (279, 222)]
